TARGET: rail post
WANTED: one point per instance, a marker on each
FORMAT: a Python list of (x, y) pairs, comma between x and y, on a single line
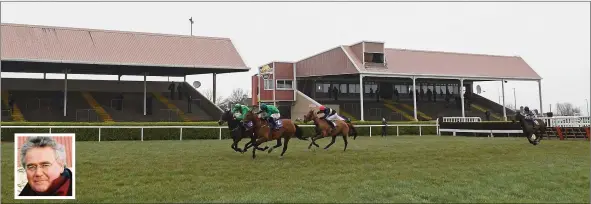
[(397, 131), (370, 131), (99, 134), (420, 130), (220, 133), (49, 130), (142, 134), (181, 134)]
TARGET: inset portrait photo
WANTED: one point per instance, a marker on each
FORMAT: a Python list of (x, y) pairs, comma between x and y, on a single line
[(44, 166)]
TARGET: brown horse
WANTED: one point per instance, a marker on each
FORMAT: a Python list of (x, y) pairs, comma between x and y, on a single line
[(341, 128), (263, 131)]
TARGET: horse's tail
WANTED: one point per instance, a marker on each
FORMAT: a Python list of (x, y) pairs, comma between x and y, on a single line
[(299, 133), (353, 130)]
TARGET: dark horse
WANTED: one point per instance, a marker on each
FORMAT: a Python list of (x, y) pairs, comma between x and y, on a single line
[(238, 131), (531, 130)]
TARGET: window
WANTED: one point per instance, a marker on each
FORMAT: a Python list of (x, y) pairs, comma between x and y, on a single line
[(269, 84), (343, 88), (353, 88), (374, 57), (371, 86), (285, 84), (322, 87)]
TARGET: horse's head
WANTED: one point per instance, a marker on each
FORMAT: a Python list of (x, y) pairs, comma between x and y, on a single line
[(225, 117), (310, 116), (250, 117)]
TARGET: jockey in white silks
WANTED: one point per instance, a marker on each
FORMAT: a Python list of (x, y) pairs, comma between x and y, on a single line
[(330, 115)]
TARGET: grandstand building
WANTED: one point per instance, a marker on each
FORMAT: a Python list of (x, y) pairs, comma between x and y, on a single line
[(45, 49), (374, 82)]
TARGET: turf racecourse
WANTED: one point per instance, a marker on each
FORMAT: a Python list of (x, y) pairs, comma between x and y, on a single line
[(391, 169)]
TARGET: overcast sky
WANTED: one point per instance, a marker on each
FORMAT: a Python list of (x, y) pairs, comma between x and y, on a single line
[(553, 38)]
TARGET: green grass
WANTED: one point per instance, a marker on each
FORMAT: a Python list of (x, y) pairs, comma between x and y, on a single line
[(391, 169)]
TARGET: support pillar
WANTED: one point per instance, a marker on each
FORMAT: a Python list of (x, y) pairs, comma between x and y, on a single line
[(540, 95), (44, 75), (185, 78), (462, 96), (145, 94), (414, 97), (214, 88), (274, 86), (361, 91), (65, 91), (119, 78), (504, 107)]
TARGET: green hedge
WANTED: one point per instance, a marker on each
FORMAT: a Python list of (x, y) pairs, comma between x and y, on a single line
[(87, 134)]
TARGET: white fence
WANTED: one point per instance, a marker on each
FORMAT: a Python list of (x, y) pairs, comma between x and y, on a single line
[(461, 119), (220, 128), (567, 121)]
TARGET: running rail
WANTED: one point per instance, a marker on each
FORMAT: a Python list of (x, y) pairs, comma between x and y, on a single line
[(420, 126)]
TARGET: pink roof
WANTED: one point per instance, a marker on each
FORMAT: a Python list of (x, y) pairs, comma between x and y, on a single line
[(89, 46), (447, 64)]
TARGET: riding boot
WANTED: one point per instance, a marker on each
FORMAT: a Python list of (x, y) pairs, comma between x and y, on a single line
[(272, 123), (330, 124)]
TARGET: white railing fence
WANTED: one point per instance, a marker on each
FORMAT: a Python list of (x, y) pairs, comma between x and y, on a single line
[(567, 121), (461, 119), (220, 128)]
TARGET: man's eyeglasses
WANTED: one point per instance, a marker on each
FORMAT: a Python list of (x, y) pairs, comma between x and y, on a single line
[(33, 168)]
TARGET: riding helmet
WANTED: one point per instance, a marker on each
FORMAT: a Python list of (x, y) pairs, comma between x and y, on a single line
[(263, 106), (322, 108)]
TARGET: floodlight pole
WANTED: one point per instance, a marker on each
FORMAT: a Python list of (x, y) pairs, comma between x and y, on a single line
[(462, 96), (504, 107), (361, 91), (145, 94), (191, 20), (65, 91), (214, 88), (540, 92), (514, 99), (414, 97)]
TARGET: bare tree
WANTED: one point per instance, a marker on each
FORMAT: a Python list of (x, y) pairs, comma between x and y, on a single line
[(237, 96), (567, 109), (208, 93), (510, 106)]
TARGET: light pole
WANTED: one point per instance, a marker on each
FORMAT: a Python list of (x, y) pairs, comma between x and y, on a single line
[(587, 101), (191, 20), (515, 99)]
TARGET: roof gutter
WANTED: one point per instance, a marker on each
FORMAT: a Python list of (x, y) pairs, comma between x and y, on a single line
[(126, 64), (430, 76)]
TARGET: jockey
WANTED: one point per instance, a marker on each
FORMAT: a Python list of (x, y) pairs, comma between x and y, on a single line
[(271, 114), (529, 115), (239, 111), (329, 115)]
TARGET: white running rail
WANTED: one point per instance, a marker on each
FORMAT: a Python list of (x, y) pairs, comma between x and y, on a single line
[(461, 119), (220, 128), (567, 121)]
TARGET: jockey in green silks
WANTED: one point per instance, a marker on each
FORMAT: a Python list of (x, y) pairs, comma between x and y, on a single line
[(271, 114)]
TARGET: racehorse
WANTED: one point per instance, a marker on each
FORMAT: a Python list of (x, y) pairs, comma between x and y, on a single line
[(263, 131), (238, 133), (341, 127), (533, 131)]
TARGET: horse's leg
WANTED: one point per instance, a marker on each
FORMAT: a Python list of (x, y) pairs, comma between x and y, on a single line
[(345, 135), (256, 145), (331, 142), (314, 141), (285, 146), (277, 145)]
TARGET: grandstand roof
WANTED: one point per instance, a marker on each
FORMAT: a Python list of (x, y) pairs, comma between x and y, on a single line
[(429, 64), (127, 51)]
